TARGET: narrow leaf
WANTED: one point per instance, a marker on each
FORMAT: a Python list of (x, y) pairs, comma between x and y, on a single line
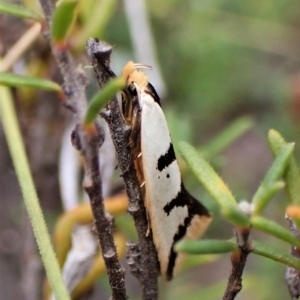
[(13, 80), (282, 159), (18, 11), (292, 174), (274, 229), (207, 176), (267, 193), (275, 254), (235, 216), (63, 18), (279, 165), (205, 247), (102, 97), (21, 165), (226, 137)]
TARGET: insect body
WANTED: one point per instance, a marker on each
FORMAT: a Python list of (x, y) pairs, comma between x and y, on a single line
[(173, 213)]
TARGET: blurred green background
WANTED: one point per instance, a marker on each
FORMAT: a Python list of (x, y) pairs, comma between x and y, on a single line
[(222, 60)]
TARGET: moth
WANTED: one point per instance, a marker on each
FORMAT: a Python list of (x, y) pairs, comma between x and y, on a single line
[(173, 214)]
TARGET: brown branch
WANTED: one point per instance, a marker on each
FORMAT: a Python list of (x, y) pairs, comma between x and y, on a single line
[(93, 187), (238, 261), (74, 87), (292, 275), (146, 266)]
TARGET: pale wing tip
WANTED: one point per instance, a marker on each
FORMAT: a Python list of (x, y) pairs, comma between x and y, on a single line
[(198, 226), (194, 231)]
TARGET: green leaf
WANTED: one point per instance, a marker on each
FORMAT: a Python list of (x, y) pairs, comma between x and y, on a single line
[(206, 175), (275, 254), (19, 11), (205, 247), (260, 200), (21, 165), (267, 193), (274, 229), (63, 18), (213, 184), (292, 174), (279, 165), (235, 216), (13, 80), (226, 137), (102, 97)]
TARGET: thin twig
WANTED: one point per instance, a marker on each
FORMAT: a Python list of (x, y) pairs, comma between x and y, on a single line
[(292, 275), (74, 87), (238, 261), (146, 267), (18, 49)]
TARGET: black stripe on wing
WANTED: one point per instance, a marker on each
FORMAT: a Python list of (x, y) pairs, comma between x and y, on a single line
[(166, 159), (152, 92), (173, 255), (183, 198)]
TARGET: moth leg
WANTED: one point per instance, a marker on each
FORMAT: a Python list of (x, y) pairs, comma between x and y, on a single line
[(148, 215), (135, 135)]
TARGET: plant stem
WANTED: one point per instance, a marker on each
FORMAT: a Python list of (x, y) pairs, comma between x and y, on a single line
[(18, 154), (88, 144), (144, 257), (238, 261)]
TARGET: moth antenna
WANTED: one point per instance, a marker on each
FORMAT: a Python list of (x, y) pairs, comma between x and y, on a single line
[(142, 184), (142, 66), (139, 155), (133, 75)]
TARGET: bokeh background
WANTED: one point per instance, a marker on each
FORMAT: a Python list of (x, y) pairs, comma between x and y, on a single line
[(214, 62)]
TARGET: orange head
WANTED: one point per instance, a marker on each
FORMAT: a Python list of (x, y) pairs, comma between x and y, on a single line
[(131, 74)]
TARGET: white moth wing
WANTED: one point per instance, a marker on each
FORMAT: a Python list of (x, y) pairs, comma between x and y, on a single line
[(173, 213), (162, 186)]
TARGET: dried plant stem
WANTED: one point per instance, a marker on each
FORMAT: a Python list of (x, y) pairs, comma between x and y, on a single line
[(18, 49), (146, 267), (93, 187), (88, 144), (238, 260)]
